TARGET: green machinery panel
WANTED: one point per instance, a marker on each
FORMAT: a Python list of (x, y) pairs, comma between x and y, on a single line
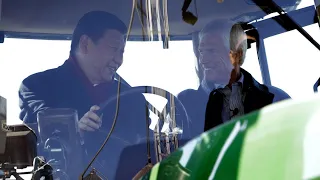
[(279, 142)]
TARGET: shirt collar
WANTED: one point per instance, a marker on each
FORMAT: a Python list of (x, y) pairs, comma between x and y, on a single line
[(79, 72), (241, 79)]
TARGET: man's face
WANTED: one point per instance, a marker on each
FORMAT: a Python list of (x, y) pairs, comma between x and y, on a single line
[(214, 58), (106, 55)]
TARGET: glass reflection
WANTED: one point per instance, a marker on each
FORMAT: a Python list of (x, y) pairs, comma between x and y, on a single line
[(173, 71)]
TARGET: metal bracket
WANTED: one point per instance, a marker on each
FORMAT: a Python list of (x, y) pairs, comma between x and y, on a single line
[(263, 61), (0, 9), (284, 20), (316, 85), (1, 37), (1, 33)]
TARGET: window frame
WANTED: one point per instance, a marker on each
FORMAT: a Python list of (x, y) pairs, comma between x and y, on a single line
[(270, 27)]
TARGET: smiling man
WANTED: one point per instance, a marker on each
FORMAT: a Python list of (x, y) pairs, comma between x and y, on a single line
[(226, 89), (96, 53), (234, 91), (84, 82)]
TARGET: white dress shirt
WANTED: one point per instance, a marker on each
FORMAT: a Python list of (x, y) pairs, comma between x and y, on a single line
[(229, 110), (233, 100)]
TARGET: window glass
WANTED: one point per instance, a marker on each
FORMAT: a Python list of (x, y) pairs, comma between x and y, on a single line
[(294, 61), (305, 3), (20, 58), (148, 64), (293, 64), (145, 64)]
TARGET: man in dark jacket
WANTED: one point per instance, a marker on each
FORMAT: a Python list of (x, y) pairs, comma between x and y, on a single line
[(226, 90), (85, 81)]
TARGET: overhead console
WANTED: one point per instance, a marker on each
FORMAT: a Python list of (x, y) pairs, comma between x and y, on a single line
[(59, 17)]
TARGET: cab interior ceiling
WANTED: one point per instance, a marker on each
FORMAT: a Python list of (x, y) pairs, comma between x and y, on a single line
[(38, 19)]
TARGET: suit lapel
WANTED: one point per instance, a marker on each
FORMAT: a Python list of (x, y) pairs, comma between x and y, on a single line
[(256, 95), (213, 111)]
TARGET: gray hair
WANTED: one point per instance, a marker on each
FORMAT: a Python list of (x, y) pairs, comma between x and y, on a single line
[(3, 108), (231, 33)]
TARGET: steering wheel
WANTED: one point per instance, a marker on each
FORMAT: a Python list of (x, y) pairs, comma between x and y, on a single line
[(180, 110), (182, 119)]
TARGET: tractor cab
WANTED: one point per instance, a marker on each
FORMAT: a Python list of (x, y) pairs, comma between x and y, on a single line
[(161, 62)]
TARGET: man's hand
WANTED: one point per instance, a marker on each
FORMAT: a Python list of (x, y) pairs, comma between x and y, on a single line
[(90, 121)]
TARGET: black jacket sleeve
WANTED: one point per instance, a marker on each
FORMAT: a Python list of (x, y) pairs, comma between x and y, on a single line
[(33, 97)]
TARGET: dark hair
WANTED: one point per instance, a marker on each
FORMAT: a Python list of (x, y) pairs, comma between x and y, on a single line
[(94, 24)]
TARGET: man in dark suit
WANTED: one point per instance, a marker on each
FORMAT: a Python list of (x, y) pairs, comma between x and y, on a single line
[(83, 82), (226, 90)]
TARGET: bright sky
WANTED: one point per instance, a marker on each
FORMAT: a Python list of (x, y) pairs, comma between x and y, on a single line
[(293, 63), (146, 63)]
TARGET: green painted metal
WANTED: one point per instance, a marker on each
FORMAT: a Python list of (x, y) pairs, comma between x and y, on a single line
[(281, 141)]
